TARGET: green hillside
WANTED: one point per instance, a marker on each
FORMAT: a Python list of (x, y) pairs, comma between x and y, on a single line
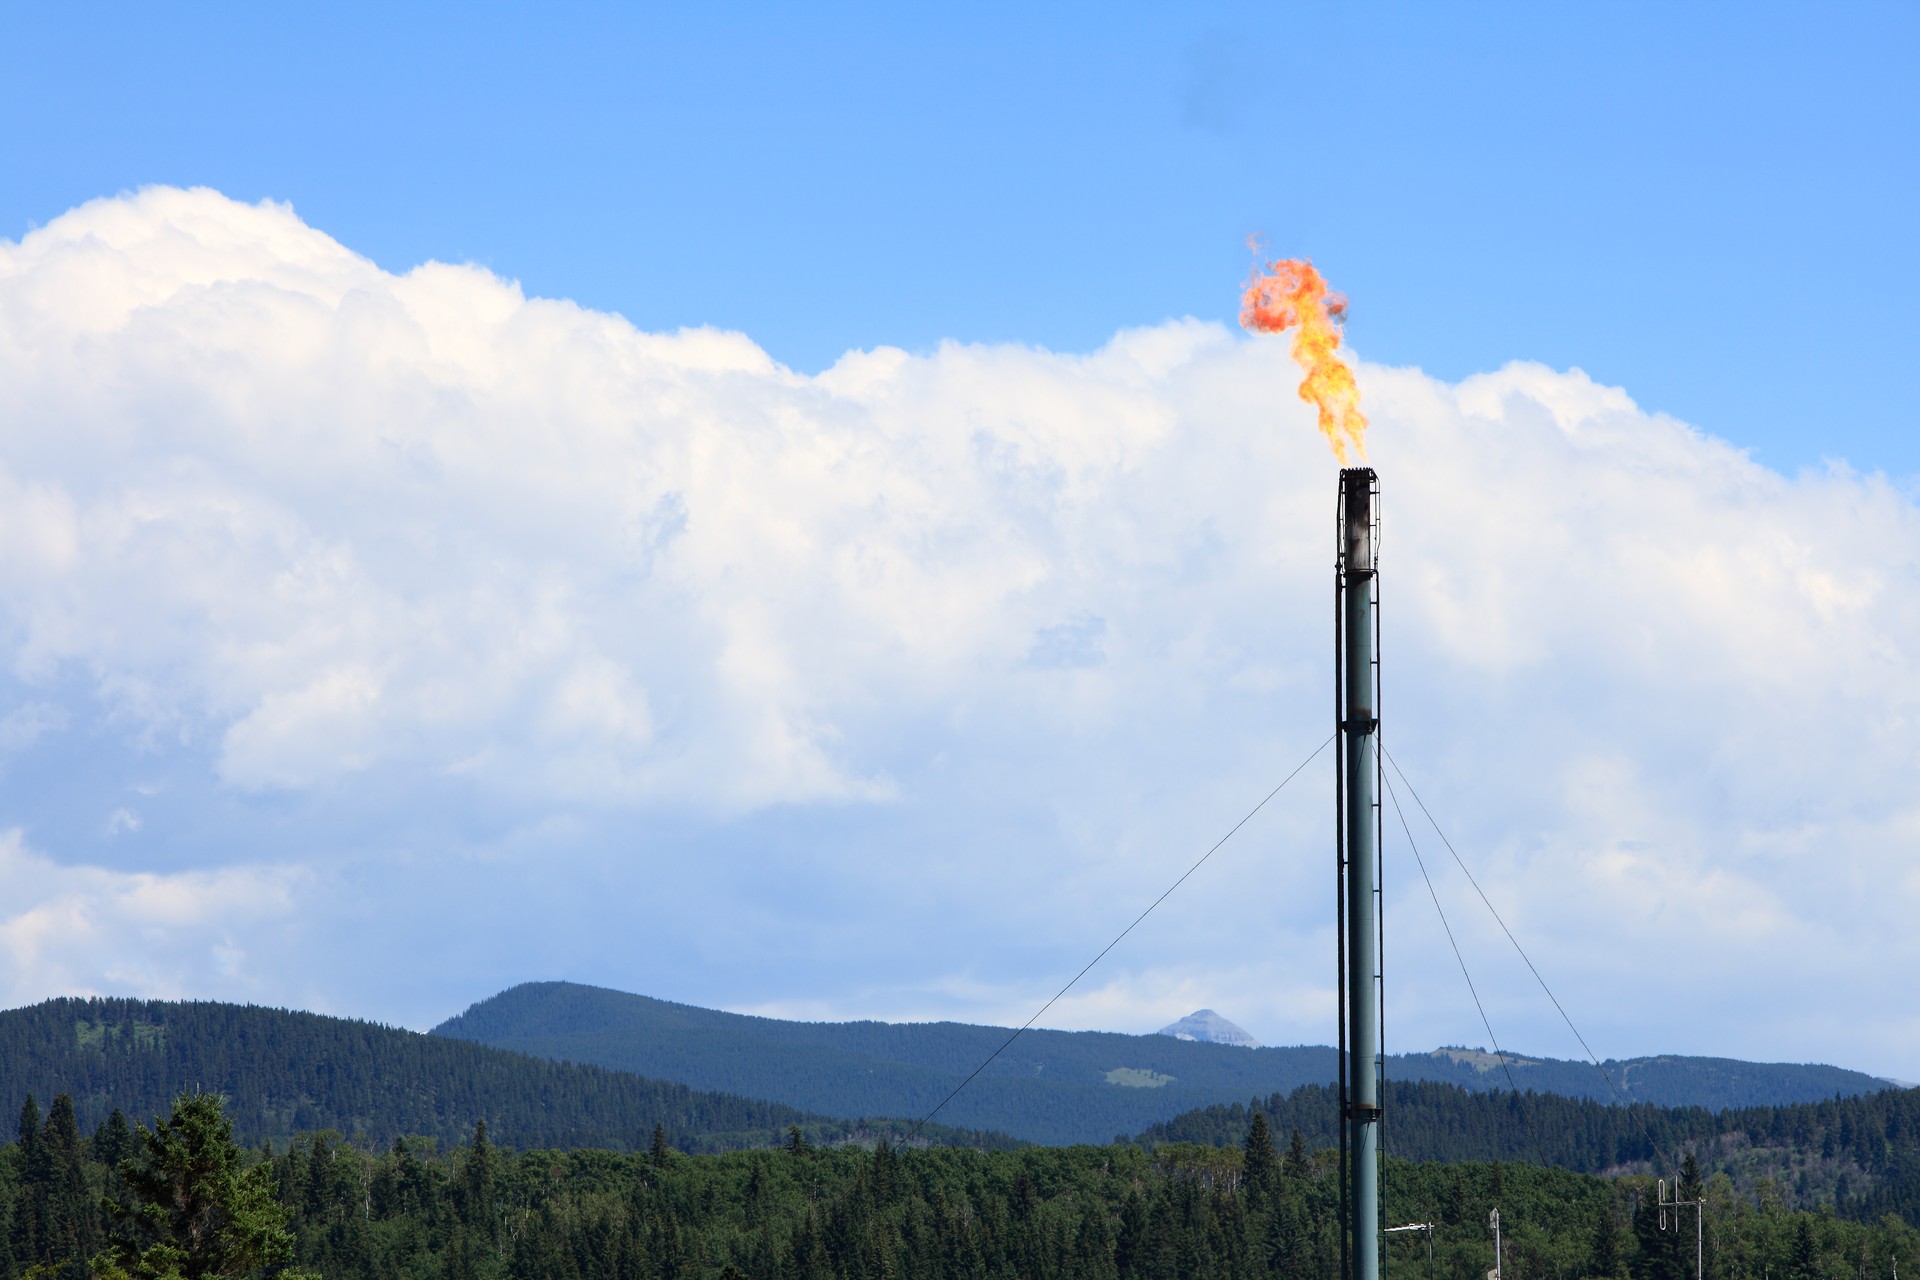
[(1858, 1156), (1249, 1209), (286, 1073), (1050, 1086)]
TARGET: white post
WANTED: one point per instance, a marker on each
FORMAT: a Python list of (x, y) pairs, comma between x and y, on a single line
[(1699, 1224)]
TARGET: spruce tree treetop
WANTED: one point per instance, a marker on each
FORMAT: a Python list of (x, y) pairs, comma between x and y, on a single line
[(196, 1214), (1259, 1166), (1692, 1185), (113, 1141), (1296, 1165), (477, 1178), (659, 1149), (29, 1126)]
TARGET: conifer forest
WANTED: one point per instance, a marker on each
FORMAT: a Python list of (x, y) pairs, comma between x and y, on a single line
[(180, 1197)]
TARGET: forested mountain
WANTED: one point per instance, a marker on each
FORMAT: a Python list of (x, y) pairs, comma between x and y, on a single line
[(286, 1073), (1858, 1155), (1202, 1193), (1247, 1211), (1050, 1086)]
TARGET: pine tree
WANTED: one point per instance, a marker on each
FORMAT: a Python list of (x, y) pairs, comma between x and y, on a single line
[(882, 1174), (1129, 1249), (1804, 1262), (662, 1153), (1659, 1246), (195, 1214), (317, 1193), (1605, 1260), (1296, 1165), (477, 1178), (1692, 1185), (1092, 1256), (1258, 1165), (797, 1143), (68, 1217), (1287, 1245), (1456, 1211), (29, 1215), (113, 1141)]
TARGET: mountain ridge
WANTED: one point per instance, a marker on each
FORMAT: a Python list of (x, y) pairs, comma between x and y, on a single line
[(1048, 1086), (287, 1072)]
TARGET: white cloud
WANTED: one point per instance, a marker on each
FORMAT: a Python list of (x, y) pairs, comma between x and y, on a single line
[(79, 930), (349, 532), (27, 723)]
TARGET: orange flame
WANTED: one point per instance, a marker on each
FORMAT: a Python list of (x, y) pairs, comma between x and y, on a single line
[(1292, 295)]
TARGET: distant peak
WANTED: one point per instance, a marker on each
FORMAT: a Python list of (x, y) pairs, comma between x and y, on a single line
[(1208, 1027)]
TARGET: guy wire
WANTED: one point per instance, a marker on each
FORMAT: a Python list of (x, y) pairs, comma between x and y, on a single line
[(1526, 1121), (922, 1122), (1652, 1143)]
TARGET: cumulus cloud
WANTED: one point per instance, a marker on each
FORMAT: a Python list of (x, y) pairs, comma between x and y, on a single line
[(1059, 617), (80, 930)]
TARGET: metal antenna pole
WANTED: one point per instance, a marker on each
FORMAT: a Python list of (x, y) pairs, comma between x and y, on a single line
[(1426, 1228), (1493, 1220), (1360, 763), (1699, 1207)]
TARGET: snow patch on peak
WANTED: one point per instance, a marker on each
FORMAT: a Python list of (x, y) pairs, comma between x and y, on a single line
[(1208, 1027)]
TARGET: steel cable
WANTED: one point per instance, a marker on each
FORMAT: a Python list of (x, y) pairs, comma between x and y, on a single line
[(1117, 940), (1625, 1101)]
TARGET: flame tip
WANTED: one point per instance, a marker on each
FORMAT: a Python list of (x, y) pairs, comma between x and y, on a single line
[(1291, 294)]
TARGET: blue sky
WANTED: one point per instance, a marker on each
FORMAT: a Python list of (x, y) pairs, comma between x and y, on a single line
[(880, 565), (1709, 204)]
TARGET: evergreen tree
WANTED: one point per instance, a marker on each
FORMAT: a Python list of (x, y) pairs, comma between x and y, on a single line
[(1456, 1210), (661, 1153), (1258, 1166), (806, 1256), (196, 1215), (1093, 1247), (1122, 1213), (882, 1174), (1296, 1165), (1606, 1259), (316, 1193), (1659, 1244), (797, 1143), (114, 1140), (1804, 1261), (68, 1218), (1130, 1248), (477, 1177), (1692, 1186), (1288, 1246), (29, 1215)]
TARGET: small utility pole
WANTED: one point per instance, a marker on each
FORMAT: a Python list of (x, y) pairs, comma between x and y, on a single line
[(1493, 1220), (1699, 1208), (1427, 1227)]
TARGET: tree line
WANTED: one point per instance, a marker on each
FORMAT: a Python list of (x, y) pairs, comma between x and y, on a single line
[(285, 1073), (181, 1198), (1859, 1156)]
